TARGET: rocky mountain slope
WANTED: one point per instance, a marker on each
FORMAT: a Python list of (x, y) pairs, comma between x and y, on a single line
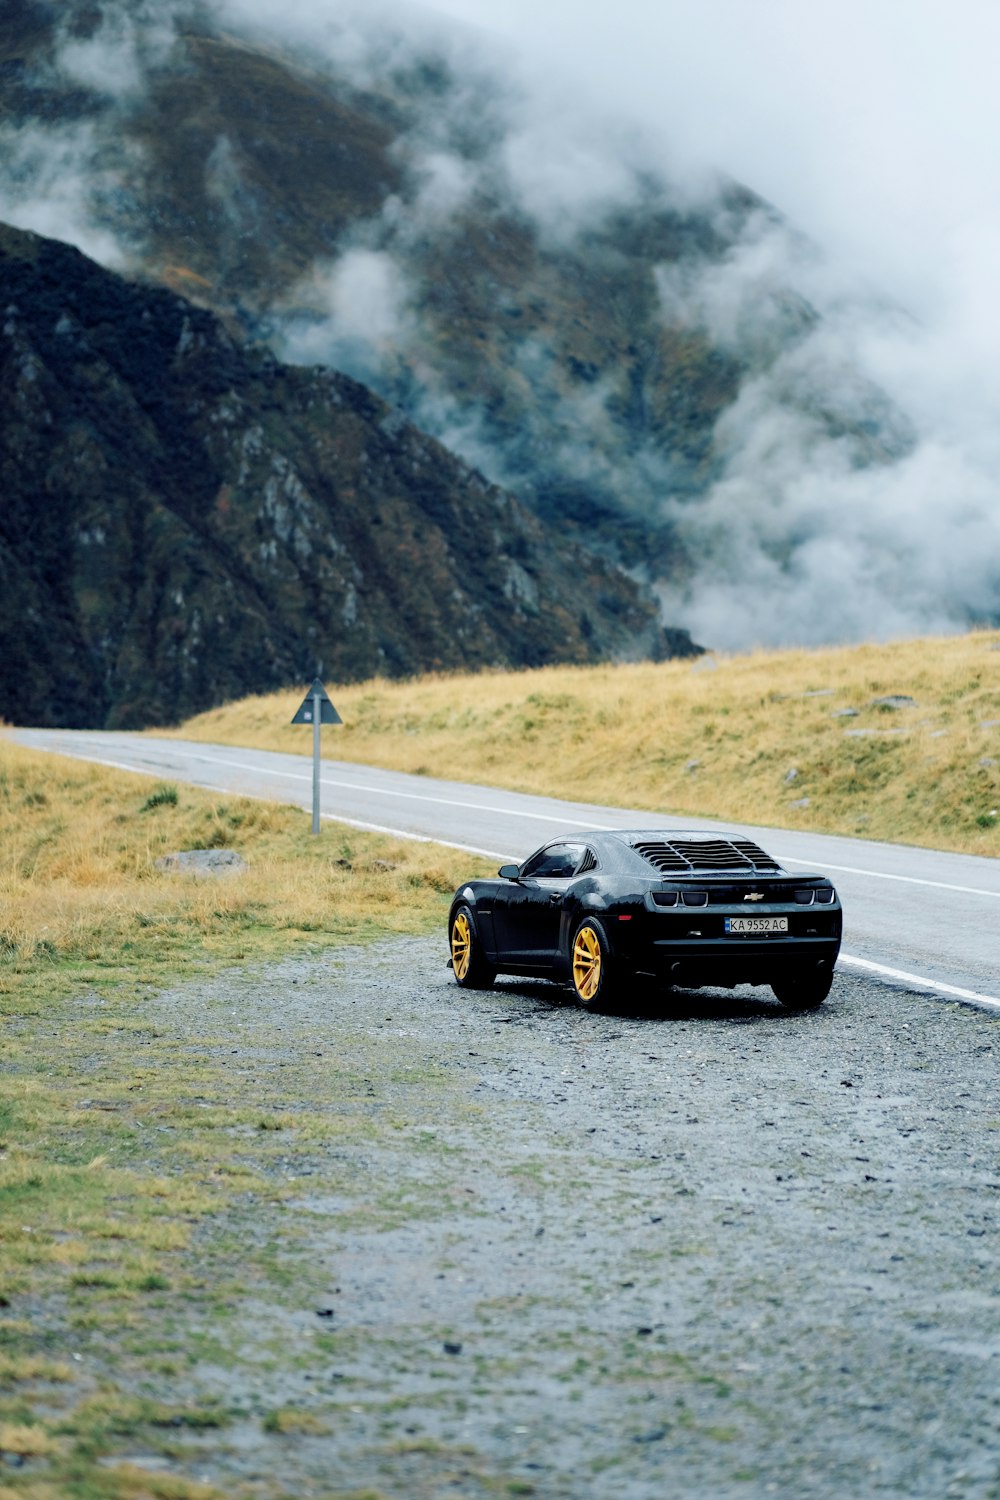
[(385, 209), (184, 519)]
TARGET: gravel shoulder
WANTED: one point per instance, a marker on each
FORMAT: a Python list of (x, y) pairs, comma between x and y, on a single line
[(702, 1247)]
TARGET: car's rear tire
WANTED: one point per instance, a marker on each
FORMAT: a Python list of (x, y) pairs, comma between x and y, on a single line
[(468, 962), (592, 969), (805, 989)]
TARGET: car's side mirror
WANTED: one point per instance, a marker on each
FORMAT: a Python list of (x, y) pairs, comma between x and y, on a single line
[(509, 872)]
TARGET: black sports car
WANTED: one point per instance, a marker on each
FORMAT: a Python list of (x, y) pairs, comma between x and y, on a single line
[(592, 910)]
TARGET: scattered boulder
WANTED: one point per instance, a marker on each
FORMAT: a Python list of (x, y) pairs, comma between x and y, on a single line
[(844, 713), (203, 862), (893, 700), (792, 774)]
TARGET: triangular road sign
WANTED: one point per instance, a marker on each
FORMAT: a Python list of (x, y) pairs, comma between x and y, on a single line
[(307, 712)]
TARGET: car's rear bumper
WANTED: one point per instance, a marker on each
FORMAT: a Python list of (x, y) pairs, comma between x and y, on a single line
[(692, 947), (728, 962)]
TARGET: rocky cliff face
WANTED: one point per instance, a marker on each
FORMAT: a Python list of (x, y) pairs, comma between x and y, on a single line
[(184, 519)]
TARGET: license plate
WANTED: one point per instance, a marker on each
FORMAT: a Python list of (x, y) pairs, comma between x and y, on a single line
[(748, 925)]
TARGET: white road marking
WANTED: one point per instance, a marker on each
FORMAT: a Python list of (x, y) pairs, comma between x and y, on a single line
[(100, 760), (972, 996), (418, 838), (938, 885), (358, 786)]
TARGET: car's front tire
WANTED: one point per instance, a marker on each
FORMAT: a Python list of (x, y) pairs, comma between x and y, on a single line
[(468, 962), (592, 969), (803, 990)]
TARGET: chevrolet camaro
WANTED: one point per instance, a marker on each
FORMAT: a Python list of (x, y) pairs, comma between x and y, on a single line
[(595, 910)]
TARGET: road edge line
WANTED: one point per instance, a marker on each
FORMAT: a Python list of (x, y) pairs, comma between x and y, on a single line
[(900, 976)]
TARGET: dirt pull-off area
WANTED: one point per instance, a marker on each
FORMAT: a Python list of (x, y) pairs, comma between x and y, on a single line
[(705, 1248)]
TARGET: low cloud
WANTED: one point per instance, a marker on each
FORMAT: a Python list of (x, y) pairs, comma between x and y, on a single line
[(749, 303), (68, 181), (858, 496), (445, 186), (820, 552), (115, 59), (564, 169), (354, 314), (53, 182)]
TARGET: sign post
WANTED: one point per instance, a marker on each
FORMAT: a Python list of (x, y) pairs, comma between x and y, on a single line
[(316, 709)]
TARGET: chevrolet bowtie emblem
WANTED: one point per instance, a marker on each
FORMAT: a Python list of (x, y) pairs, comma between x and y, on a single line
[(754, 896)]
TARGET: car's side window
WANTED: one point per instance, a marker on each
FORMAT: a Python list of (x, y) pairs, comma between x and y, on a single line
[(558, 861)]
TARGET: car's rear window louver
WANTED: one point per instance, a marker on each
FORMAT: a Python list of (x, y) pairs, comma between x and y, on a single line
[(682, 856), (589, 862)]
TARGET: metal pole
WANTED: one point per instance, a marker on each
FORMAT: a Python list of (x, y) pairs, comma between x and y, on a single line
[(317, 714)]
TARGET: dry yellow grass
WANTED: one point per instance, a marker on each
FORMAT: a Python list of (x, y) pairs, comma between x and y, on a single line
[(24, 1440), (79, 884), (718, 738)]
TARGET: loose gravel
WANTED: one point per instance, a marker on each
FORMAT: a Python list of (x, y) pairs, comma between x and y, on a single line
[(700, 1247)]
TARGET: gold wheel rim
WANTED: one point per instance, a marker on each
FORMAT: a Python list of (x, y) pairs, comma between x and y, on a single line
[(586, 963), (461, 945)]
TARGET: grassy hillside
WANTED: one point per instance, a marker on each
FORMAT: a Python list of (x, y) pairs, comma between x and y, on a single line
[(793, 738)]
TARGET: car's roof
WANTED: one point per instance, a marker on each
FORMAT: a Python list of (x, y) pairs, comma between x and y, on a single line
[(683, 851), (641, 835)]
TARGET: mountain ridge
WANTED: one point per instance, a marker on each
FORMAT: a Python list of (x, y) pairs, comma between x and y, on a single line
[(185, 519)]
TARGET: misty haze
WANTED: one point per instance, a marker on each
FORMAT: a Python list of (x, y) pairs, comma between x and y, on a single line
[(649, 355)]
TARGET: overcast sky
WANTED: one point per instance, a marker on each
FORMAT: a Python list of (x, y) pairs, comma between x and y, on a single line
[(874, 124)]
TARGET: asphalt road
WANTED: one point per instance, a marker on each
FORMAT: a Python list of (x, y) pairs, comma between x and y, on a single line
[(912, 916)]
